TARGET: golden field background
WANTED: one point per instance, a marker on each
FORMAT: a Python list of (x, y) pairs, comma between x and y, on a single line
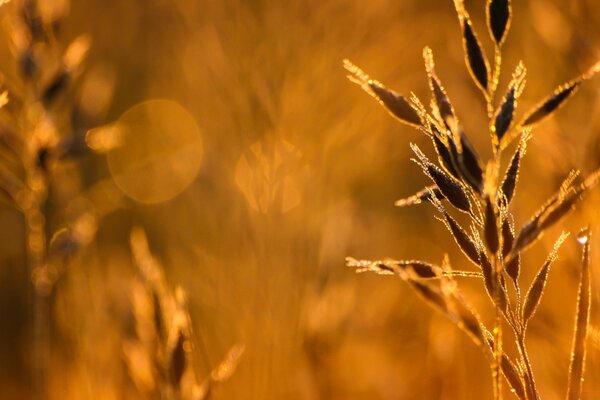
[(255, 168)]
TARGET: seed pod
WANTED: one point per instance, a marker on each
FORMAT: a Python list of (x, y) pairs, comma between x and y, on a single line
[(504, 115), (159, 324), (534, 294), (498, 19), (512, 376), (491, 227), (55, 87), (396, 104), (531, 231), (421, 269), (488, 273), (439, 93), (513, 268), (28, 64), (551, 103), (431, 295), (508, 235), (560, 209), (469, 164), (474, 55), (177, 362), (450, 187), (511, 176), (444, 156), (462, 238)]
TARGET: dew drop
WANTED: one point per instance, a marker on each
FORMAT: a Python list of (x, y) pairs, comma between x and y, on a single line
[(583, 236)]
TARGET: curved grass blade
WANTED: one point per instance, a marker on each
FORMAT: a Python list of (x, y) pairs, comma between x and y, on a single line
[(477, 63), (396, 104), (582, 321), (498, 19), (421, 196), (534, 294)]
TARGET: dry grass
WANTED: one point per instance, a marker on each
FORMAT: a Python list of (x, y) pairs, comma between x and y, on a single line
[(479, 190), (181, 181)]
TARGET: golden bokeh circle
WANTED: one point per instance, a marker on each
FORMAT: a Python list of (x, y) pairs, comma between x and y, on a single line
[(160, 151)]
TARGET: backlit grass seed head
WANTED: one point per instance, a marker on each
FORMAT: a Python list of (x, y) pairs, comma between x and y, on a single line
[(450, 187)]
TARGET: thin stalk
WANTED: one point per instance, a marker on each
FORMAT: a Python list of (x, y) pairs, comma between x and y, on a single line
[(530, 387), (35, 225), (496, 373)]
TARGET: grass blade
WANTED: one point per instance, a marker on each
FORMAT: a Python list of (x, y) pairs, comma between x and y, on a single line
[(582, 320)]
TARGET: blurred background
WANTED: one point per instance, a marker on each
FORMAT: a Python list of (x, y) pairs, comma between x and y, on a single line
[(228, 132)]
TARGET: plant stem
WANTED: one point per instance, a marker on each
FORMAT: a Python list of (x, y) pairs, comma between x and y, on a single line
[(532, 393), (35, 226)]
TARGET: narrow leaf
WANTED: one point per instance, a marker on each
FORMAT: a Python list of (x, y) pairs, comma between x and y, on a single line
[(582, 321), (534, 294)]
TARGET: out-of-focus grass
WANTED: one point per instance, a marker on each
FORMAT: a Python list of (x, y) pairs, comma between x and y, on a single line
[(297, 170)]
